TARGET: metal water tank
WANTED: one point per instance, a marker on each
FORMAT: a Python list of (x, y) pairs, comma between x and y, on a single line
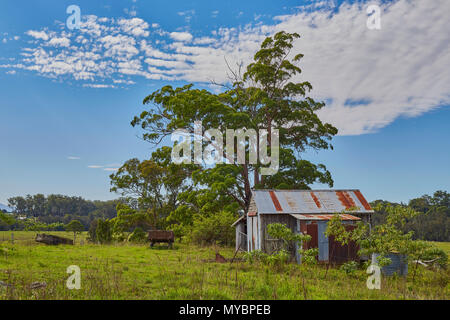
[(399, 264)]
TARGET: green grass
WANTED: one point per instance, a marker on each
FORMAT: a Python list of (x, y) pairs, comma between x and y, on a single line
[(137, 272)]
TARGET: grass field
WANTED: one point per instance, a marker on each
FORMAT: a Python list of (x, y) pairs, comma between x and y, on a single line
[(187, 272)]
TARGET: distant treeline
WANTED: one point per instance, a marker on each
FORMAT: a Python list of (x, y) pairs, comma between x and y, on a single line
[(434, 222), (432, 225), (59, 208)]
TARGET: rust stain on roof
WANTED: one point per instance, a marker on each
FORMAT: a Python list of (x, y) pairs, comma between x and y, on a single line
[(350, 199), (326, 217), (363, 200), (315, 200), (345, 199), (275, 201)]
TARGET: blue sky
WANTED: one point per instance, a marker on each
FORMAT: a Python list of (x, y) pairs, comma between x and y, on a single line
[(67, 96)]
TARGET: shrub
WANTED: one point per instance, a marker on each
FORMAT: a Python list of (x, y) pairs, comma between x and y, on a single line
[(92, 233), (214, 229), (255, 256), (137, 236), (103, 231), (281, 255), (279, 259), (180, 231), (309, 256), (438, 256), (349, 267)]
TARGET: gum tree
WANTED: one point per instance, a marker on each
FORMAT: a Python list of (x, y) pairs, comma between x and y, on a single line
[(265, 96)]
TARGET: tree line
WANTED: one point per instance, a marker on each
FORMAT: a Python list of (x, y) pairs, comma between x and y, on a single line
[(432, 225), (54, 209)]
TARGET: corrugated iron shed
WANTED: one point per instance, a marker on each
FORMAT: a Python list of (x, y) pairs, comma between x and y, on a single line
[(310, 201)]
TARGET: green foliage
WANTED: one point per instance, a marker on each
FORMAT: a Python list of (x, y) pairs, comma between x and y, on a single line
[(7, 249), (92, 233), (61, 209), (278, 259), (255, 256), (180, 230), (137, 236), (36, 225), (336, 228), (155, 183), (309, 256), (74, 226), (103, 231), (388, 237), (6, 218), (349, 267), (266, 96), (434, 222), (127, 219), (281, 232), (436, 255), (215, 228)]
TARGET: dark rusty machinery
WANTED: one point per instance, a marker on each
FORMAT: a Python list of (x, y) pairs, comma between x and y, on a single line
[(52, 240), (157, 236)]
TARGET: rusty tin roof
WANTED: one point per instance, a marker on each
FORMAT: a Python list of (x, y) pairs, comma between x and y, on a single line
[(345, 217), (310, 201)]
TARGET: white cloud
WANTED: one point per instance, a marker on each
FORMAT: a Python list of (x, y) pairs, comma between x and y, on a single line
[(95, 167), (38, 34), (369, 77), (120, 81), (119, 46), (73, 158), (98, 86), (181, 36), (61, 42), (111, 169), (188, 14), (205, 40), (400, 70), (136, 27), (170, 64)]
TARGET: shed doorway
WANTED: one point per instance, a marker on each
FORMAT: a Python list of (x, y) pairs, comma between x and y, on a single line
[(313, 231)]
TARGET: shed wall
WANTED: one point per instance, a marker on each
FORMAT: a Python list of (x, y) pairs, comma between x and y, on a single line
[(267, 244)]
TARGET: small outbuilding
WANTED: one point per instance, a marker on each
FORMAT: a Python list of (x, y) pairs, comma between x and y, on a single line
[(305, 211)]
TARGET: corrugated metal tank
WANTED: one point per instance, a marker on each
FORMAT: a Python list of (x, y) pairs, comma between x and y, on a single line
[(399, 264)]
